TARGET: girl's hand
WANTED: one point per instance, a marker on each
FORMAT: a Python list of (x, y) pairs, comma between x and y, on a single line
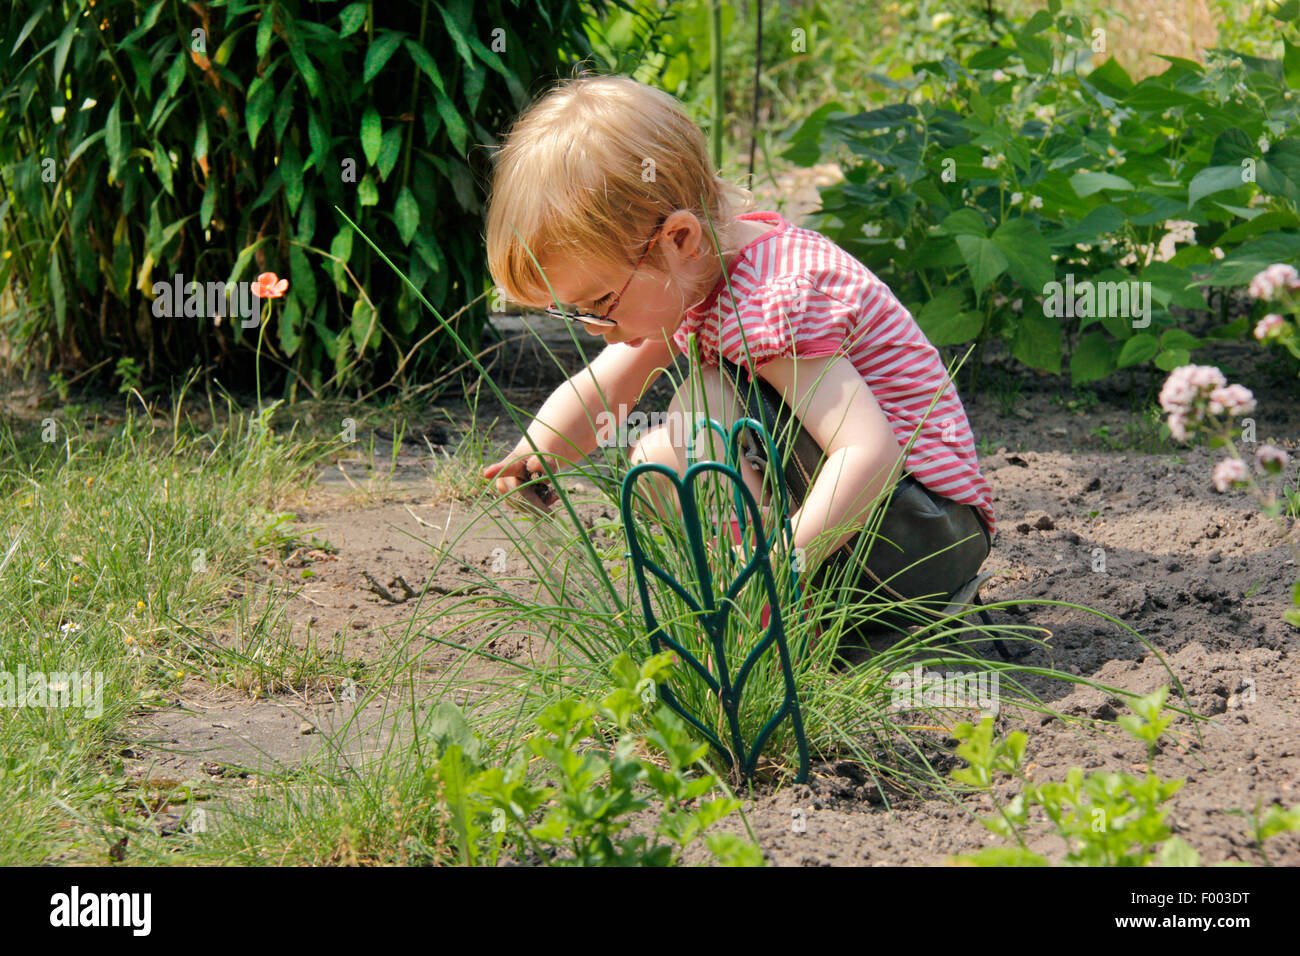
[(514, 472)]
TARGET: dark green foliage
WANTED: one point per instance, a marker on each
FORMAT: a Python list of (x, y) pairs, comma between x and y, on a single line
[(1008, 180), (213, 140)]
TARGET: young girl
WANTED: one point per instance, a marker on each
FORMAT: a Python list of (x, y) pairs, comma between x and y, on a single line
[(608, 184)]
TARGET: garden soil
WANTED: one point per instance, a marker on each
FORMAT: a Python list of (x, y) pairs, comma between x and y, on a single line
[(1140, 535)]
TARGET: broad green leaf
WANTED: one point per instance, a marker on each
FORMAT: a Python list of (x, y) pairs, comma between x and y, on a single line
[(261, 98), (1036, 51), (364, 325), (1137, 350), (1170, 284), (1214, 179), (208, 204), (41, 10), (1093, 358), (113, 138), (64, 44), (84, 145), (1111, 78), (390, 150), (984, 259), (1232, 146), (1261, 223), (1151, 97), (371, 134), (1087, 183), (307, 216), (1240, 266), (244, 258), (426, 63), (380, 52), (176, 74), (1178, 852), (1037, 342), (1179, 339), (1278, 172), (407, 215), (341, 247), (201, 141), (945, 321), (367, 191), (352, 17), (289, 326), (291, 171), (1291, 63), (298, 51), (457, 34), (455, 125), (1027, 252), (265, 32), (989, 58), (320, 141), (302, 280), (162, 166), (964, 222), (1100, 221), (1170, 359), (284, 99)]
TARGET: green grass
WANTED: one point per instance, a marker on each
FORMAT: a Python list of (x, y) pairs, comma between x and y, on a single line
[(119, 539)]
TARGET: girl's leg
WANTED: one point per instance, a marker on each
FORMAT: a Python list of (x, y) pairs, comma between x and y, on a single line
[(710, 395), (926, 544)]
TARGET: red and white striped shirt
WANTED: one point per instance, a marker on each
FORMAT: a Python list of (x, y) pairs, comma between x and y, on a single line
[(799, 295)]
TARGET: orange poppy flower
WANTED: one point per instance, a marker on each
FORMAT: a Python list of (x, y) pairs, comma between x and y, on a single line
[(269, 286)]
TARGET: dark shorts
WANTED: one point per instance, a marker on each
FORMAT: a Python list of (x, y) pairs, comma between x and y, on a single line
[(927, 546)]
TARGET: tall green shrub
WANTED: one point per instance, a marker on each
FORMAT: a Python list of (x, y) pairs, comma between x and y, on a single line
[(142, 140)]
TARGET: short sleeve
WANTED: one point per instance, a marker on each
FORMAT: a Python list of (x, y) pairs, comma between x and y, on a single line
[(787, 317)]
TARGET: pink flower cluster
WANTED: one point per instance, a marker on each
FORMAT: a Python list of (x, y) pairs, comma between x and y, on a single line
[(1267, 284), (1192, 390), (1229, 472), (1268, 326), (1271, 459), (1233, 399)]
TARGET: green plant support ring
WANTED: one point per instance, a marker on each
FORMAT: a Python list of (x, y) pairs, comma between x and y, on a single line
[(713, 614)]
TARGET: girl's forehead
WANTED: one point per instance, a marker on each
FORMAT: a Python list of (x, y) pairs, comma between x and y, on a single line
[(574, 279)]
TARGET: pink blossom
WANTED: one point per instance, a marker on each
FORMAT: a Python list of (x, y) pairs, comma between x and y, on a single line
[(1186, 384), (1271, 459), (1265, 329), (1178, 427), (1267, 284), (1230, 472), (1234, 399)]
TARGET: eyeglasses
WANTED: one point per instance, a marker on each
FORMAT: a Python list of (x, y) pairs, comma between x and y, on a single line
[(603, 321)]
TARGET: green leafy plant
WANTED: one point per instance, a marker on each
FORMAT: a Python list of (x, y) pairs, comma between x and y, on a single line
[(1104, 818), (1020, 193), (144, 141), (586, 818)]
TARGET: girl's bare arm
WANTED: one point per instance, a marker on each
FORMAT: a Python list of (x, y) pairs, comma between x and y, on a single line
[(862, 455), (566, 428)]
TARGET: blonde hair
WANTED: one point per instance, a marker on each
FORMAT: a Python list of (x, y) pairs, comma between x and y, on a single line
[(588, 170)]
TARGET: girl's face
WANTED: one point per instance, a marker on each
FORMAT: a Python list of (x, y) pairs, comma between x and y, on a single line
[(655, 300)]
